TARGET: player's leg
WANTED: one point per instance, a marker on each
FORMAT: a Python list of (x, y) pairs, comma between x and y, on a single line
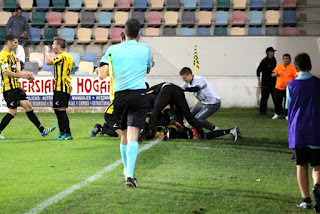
[(264, 99), (196, 108), (60, 105), (207, 110), (277, 103), (315, 163), (6, 120)]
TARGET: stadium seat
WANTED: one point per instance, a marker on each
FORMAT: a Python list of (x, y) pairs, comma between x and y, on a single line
[(154, 18), (171, 18), (273, 4), (5, 16), (237, 31), (173, 4), (289, 17), (49, 34), (91, 4), (91, 57), (289, 4), (35, 55), (59, 5), (203, 31), (272, 17), (256, 4), (38, 18), (115, 34), (48, 68), (107, 4), (87, 18), (140, 16), (223, 4), (206, 4), (140, 4), (123, 4), (75, 5), (104, 19), (101, 35), (44, 73), (3, 34), (54, 19), (221, 17), (52, 55), (255, 17), (272, 31), (9, 5), (120, 18), (289, 31), (239, 4), (204, 18), (42, 5), (187, 18), (168, 31), (184, 31), (71, 18), (156, 4), (76, 59), (26, 16), (26, 4), (68, 34), (220, 31), (190, 4), (31, 67), (34, 35), (86, 67), (81, 73), (151, 31), (84, 35), (238, 17), (254, 31)]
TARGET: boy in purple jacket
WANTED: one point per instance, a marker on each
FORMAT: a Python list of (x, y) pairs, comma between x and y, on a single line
[(303, 103)]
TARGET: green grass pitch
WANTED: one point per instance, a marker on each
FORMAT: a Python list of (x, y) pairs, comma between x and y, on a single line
[(253, 175)]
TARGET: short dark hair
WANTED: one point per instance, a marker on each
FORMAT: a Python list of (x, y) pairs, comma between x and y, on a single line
[(303, 62), (18, 8), (61, 41), (288, 55), (132, 28), (10, 37), (122, 36), (185, 71)]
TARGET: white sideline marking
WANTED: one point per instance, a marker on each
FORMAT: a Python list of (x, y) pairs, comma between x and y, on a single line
[(205, 148), (83, 183)]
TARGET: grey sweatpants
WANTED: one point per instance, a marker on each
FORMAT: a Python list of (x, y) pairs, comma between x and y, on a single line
[(203, 111)]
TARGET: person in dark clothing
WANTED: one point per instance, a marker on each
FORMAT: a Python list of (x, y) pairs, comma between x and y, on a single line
[(267, 82)]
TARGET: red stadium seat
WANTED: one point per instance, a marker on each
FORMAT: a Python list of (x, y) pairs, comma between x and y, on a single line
[(115, 34), (154, 18), (54, 18)]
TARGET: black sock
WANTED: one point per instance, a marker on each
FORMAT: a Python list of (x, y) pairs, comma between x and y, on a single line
[(307, 200), (34, 119), (60, 120), (217, 133), (63, 121), (5, 121)]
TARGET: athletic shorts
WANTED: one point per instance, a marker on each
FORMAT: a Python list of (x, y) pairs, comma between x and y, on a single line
[(60, 99), (130, 108), (110, 121), (307, 155), (13, 97)]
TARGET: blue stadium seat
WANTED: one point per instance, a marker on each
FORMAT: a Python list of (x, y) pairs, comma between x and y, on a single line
[(221, 17), (140, 4), (184, 31), (168, 31), (26, 15), (68, 34), (289, 17), (84, 73), (220, 31), (43, 4), (75, 5), (273, 4), (190, 4), (254, 31), (203, 31), (173, 4), (188, 18), (104, 19), (206, 4), (76, 59), (256, 4), (272, 31), (255, 17), (34, 35), (91, 57), (46, 67)]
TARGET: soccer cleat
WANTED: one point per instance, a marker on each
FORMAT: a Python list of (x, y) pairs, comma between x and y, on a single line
[(1, 137), (131, 182), (304, 205), (46, 131), (66, 137), (316, 195), (286, 117), (96, 129), (59, 136), (166, 134), (236, 134), (276, 116)]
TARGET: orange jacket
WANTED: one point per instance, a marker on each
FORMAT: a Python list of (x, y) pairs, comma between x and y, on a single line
[(285, 75)]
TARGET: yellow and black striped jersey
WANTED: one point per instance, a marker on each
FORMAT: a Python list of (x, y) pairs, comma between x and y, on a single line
[(109, 109), (63, 65), (8, 63)]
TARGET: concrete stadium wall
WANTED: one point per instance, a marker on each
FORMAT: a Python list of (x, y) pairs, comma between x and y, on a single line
[(228, 63)]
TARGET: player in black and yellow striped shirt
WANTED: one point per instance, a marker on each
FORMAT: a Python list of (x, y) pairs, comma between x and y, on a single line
[(63, 65), (12, 91)]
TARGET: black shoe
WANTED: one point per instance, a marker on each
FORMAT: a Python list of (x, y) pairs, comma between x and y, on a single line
[(316, 195), (131, 182), (96, 129)]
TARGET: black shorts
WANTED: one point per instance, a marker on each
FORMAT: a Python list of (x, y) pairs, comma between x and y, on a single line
[(307, 155), (60, 99), (110, 121), (13, 97), (130, 108)]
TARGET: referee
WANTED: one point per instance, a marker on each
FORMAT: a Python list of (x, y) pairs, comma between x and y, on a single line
[(63, 65), (131, 61)]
